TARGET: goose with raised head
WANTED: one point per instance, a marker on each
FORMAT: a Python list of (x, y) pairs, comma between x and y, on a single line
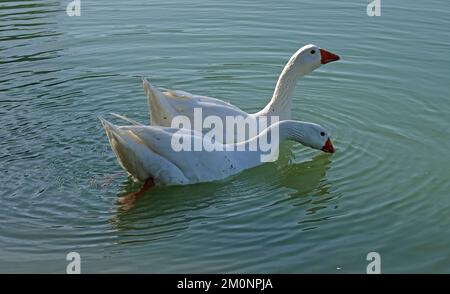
[(167, 104)]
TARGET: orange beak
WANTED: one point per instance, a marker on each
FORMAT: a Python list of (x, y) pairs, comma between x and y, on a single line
[(327, 56), (328, 147)]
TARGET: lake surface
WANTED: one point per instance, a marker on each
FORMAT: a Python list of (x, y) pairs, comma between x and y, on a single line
[(386, 104)]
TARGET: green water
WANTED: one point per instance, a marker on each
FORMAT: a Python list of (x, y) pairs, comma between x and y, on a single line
[(386, 104)]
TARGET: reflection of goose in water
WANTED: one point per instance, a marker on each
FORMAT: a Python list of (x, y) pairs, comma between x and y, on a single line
[(169, 210), (313, 192), (311, 173), (166, 210)]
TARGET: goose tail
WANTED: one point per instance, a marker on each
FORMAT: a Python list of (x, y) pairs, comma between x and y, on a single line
[(126, 148), (129, 120), (161, 111)]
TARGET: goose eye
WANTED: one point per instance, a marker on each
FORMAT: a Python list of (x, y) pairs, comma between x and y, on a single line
[(313, 51), (322, 134)]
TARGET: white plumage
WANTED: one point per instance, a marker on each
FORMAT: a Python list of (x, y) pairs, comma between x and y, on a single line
[(147, 151), (167, 104)]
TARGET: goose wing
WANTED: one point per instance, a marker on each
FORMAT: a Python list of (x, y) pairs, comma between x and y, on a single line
[(164, 106)]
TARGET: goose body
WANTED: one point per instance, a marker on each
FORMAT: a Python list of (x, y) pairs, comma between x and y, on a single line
[(165, 105), (147, 151)]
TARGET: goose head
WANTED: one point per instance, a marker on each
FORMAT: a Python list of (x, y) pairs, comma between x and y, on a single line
[(318, 138), (315, 136), (308, 134), (311, 57)]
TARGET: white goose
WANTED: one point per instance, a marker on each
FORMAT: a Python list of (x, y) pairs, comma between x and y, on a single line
[(147, 152), (164, 106)]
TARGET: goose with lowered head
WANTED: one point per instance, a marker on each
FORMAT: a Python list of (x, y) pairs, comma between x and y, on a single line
[(149, 155)]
